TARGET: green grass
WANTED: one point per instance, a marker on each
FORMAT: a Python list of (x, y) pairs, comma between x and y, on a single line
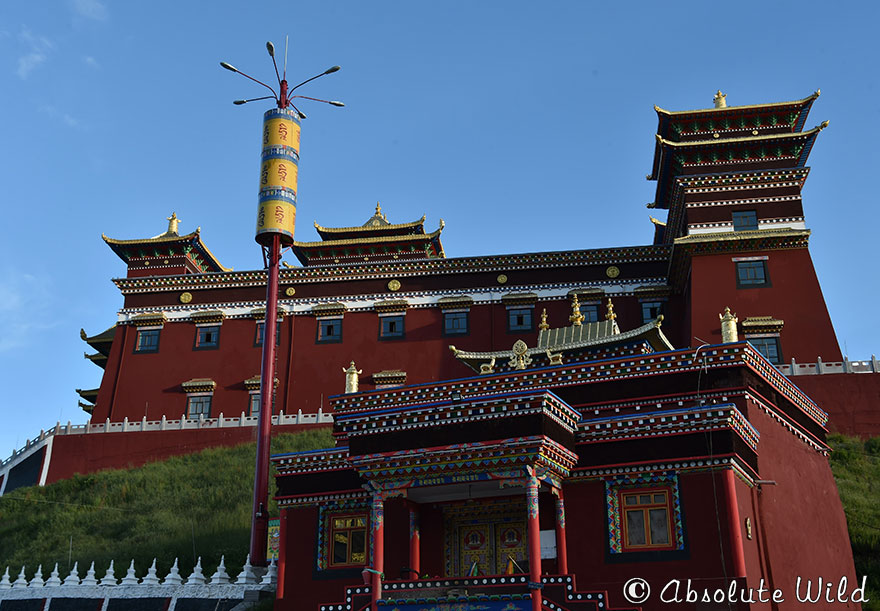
[(182, 507), (856, 467)]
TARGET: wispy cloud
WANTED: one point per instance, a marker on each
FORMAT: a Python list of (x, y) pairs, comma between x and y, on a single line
[(90, 9), (38, 50), (62, 116), (24, 301), (91, 62)]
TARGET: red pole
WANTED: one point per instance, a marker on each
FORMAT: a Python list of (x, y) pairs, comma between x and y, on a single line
[(282, 554), (260, 521), (378, 527), (534, 537), (561, 545), (414, 540), (739, 559)]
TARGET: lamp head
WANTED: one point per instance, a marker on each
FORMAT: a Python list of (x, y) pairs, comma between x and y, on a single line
[(270, 48), (331, 70), (229, 67)]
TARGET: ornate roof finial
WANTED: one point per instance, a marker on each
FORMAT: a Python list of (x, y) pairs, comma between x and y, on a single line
[(351, 378), (577, 316), (728, 326), (720, 100), (609, 310), (173, 222), (544, 326), (378, 209)]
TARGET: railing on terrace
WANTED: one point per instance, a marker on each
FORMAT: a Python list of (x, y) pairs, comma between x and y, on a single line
[(165, 425), (820, 367)]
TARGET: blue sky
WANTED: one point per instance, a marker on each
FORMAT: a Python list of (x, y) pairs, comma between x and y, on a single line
[(525, 126)]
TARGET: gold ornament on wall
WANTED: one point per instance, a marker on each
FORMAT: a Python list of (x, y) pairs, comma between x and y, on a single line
[(612, 271), (502, 279), (394, 285), (290, 291), (185, 297)]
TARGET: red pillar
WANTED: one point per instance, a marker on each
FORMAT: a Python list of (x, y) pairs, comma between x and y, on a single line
[(414, 541), (377, 520), (561, 545), (282, 554), (736, 537), (534, 536), (260, 514)]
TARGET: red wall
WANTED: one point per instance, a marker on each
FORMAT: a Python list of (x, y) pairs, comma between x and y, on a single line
[(799, 521), (852, 400), (793, 296), (315, 369), (96, 451)]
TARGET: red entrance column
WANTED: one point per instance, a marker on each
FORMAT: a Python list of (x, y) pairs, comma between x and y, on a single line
[(414, 540), (561, 546), (377, 520), (534, 536)]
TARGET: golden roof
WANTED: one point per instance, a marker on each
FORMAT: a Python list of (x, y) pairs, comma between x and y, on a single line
[(765, 137), (369, 240), (729, 236), (661, 111), (171, 236), (368, 227)]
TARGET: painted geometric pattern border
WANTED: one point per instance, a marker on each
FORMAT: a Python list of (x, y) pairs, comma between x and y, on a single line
[(612, 502), (324, 512)]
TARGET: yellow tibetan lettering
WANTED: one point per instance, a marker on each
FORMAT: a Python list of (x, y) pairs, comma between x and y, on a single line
[(281, 132), (276, 216), (278, 174)]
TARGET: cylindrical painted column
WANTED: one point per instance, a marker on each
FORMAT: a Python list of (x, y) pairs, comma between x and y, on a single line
[(414, 540), (276, 213), (534, 541), (377, 520), (561, 546), (736, 537)]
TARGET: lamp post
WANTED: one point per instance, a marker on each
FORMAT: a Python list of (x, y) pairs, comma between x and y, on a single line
[(276, 216)]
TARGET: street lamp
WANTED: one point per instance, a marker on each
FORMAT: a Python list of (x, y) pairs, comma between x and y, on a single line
[(276, 215)]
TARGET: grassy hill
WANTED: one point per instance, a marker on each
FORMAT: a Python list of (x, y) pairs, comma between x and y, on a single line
[(199, 505), (856, 467), (186, 506)]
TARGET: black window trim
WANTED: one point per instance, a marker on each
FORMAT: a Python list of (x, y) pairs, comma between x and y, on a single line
[(335, 339), (467, 323), (215, 345), (391, 338), (137, 340), (753, 285), (531, 310)]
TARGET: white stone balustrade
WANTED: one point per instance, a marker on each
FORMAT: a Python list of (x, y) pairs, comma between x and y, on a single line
[(247, 585)]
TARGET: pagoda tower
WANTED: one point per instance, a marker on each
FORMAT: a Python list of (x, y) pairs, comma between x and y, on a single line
[(376, 240), (731, 179)]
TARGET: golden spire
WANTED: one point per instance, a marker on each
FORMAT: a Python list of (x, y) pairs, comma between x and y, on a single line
[(720, 100), (173, 222), (577, 316), (609, 310), (544, 326), (728, 326)]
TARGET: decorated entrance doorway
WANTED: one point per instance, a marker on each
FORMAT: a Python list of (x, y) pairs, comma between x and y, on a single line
[(485, 537)]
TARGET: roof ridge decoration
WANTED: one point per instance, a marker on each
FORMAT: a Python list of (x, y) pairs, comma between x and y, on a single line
[(171, 236), (725, 107), (689, 143)]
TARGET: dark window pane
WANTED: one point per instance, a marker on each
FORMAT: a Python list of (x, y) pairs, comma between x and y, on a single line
[(330, 330), (519, 319), (259, 338), (207, 337), (745, 220), (147, 340), (590, 312), (631, 500), (198, 406), (659, 498), (391, 326), (651, 310), (659, 526), (635, 527), (769, 347), (751, 273), (455, 323)]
